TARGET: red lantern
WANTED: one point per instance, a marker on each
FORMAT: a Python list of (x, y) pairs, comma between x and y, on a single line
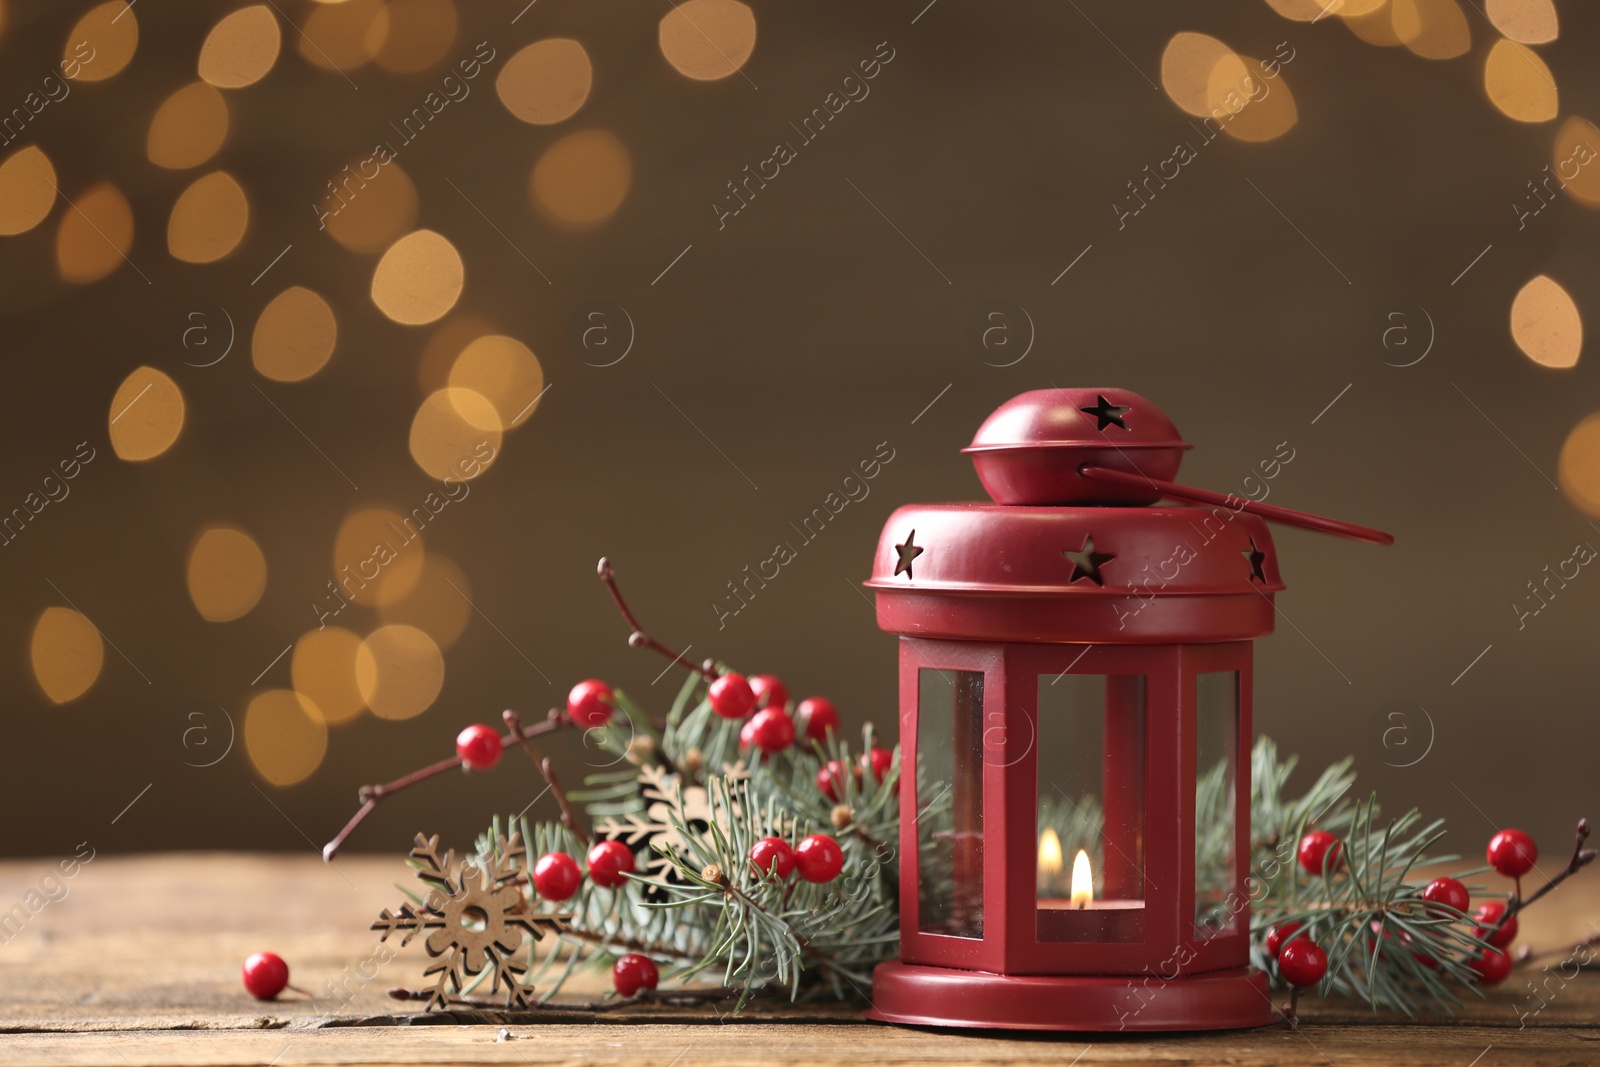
[(1075, 687)]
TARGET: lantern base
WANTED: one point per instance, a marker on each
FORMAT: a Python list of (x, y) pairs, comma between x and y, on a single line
[(918, 995)]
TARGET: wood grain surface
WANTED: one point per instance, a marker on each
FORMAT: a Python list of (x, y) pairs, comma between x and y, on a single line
[(139, 964)]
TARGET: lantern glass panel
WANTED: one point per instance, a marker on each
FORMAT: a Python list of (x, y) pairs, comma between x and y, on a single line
[(1216, 906), (950, 802), (1090, 868)]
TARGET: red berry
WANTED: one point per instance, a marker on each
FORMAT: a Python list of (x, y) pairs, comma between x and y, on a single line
[(1278, 936), (265, 975), (609, 861), (772, 853), (634, 972), (590, 703), (770, 729), (880, 760), (817, 716), (1317, 848), (1302, 962), (830, 779), (769, 690), (1446, 891), (478, 746), (731, 696), (556, 876), (819, 858), (1488, 913), (1512, 853), (1493, 967)]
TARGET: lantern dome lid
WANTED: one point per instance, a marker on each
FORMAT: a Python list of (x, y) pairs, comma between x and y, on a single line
[(1030, 450), (1114, 574), (1075, 418)]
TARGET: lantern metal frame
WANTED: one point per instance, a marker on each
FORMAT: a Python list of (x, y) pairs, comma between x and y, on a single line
[(1063, 575)]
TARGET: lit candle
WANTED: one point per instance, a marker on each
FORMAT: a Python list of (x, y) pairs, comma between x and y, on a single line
[(1049, 862), (1082, 880)]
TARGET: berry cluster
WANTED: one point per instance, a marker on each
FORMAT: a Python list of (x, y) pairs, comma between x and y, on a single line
[(771, 729), (556, 876), (818, 858), (1302, 962)]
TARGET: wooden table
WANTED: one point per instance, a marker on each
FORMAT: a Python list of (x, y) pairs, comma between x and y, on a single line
[(139, 964)]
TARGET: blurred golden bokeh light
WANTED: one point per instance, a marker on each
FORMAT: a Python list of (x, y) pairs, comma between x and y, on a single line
[(95, 234), (1432, 29), (1186, 66), (419, 278), (440, 604), (420, 33), (455, 434), (323, 669), (1519, 83), (146, 415), (1579, 466), (546, 82), (582, 179), (1545, 323), (1374, 25), (295, 336), (285, 736), (1299, 10), (503, 371), (1576, 160), (209, 219), (189, 127), (369, 214), (399, 670), (708, 39), (377, 550), (241, 48), (344, 35), (66, 653), (1256, 107), (447, 341), (227, 574), (103, 41), (1524, 21), (27, 190)]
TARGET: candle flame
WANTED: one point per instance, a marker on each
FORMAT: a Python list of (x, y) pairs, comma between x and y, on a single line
[(1082, 880), (1049, 852)]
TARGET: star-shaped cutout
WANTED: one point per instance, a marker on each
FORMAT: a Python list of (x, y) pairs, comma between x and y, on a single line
[(908, 552), (1086, 562), (1107, 414), (1256, 558)]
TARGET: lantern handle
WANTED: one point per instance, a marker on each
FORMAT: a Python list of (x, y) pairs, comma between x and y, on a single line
[(1273, 512)]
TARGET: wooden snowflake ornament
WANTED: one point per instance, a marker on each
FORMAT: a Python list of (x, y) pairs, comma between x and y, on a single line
[(477, 917)]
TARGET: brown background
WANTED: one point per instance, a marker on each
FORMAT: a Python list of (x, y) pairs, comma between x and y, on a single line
[(798, 338)]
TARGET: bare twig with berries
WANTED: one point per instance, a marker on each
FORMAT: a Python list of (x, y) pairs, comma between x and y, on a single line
[(1581, 857), (569, 818), (640, 639), (370, 795)]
